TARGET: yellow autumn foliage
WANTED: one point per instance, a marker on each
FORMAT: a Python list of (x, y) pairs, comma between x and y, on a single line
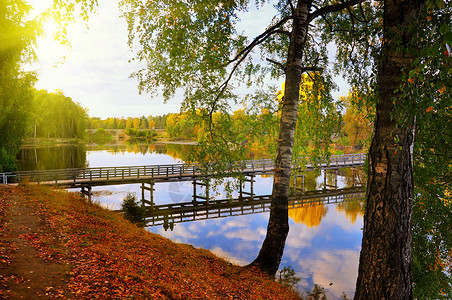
[(310, 215), (306, 84)]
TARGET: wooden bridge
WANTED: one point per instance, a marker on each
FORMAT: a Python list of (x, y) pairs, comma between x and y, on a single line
[(170, 214), (89, 177)]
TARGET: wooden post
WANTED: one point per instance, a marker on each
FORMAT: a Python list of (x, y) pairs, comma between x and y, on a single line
[(151, 192), (89, 193), (252, 185), (302, 181), (142, 194), (240, 190), (335, 178), (207, 192), (194, 191)]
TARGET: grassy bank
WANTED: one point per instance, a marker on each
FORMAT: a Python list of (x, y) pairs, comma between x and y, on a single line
[(110, 258), (34, 142)]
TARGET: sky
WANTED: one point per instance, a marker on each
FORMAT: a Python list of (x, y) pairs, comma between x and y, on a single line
[(95, 72)]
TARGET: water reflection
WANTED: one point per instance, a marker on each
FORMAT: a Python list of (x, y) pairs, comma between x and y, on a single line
[(52, 157), (353, 210), (178, 152), (310, 215)]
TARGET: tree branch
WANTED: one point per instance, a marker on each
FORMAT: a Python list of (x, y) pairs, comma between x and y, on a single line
[(333, 8), (311, 69), (292, 8), (244, 53), (285, 32), (283, 68), (260, 38), (354, 16)]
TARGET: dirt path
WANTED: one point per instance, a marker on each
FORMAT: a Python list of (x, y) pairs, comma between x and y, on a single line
[(28, 276)]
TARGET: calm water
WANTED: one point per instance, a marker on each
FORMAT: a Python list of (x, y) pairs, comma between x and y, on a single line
[(323, 243)]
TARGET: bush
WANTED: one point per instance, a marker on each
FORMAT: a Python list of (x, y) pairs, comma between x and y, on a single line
[(133, 211), (101, 136), (287, 277), (141, 135), (7, 161)]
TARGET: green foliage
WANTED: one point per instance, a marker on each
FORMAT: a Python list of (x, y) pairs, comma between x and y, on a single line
[(184, 44), (317, 293), (101, 136), (141, 135), (133, 211), (18, 35), (318, 119), (181, 126), (287, 277), (157, 122), (57, 116), (357, 36), (432, 243), (7, 161)]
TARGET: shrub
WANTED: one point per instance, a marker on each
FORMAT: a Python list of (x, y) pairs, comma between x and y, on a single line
[(101, 136), (7, 161), (287, 277), (133, 211)]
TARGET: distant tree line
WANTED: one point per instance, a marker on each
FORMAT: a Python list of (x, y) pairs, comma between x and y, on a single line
[(56, 116), (143, 122)]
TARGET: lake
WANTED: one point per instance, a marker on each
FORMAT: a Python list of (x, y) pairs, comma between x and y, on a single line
[(324, 239)]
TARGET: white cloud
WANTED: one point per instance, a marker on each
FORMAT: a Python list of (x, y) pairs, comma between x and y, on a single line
[(244, 234), (339, 268), (300, 236), (179, 234)]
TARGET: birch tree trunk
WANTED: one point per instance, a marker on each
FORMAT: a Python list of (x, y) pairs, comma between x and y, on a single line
[(385, 259), (272, 248)]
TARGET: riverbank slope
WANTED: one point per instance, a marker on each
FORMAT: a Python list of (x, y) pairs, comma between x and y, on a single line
[(55, 244)]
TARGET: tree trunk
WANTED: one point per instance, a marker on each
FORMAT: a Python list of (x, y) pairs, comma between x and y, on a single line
[(385, 259), (272, 248)]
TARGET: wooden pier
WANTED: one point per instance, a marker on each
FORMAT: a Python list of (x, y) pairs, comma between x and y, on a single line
[(100, 176)]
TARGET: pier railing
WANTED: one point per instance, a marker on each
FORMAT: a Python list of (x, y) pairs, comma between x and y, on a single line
[(128, 174), (169, 214)]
